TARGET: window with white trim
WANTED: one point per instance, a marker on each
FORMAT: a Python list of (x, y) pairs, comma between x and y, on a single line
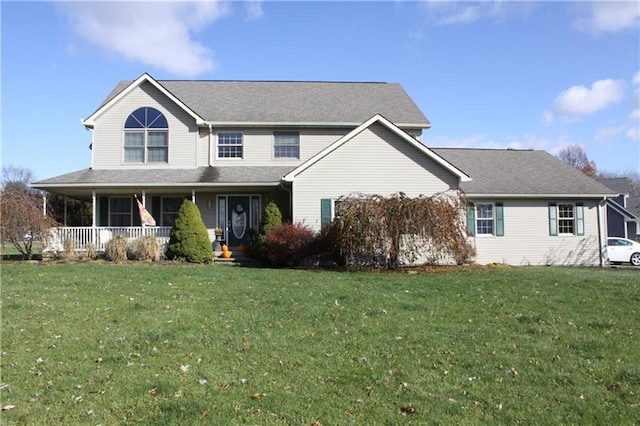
[(146, 137), (566, 219), (230, 145), (286, 145), (484, 219)]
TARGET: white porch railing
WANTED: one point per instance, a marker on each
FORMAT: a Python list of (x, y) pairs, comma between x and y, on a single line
[(99, 236)]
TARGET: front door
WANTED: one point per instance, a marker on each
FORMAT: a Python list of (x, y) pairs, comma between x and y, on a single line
[(238, 208)]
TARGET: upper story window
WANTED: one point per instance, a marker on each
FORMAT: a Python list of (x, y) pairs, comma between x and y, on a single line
[(230, 145), (286, 145), (146, 137)]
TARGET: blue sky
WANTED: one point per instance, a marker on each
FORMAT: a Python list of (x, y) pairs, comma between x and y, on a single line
[(530, 75)]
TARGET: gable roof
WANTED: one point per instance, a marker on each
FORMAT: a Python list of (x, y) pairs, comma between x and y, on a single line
[(290, 177), (628, 215), (621, 185), (520, 173), (252, 103), (116, 95)]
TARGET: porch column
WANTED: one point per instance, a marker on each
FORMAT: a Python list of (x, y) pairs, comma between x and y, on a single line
[(93, 209), (44, 205), (193, 196), (94, 217)]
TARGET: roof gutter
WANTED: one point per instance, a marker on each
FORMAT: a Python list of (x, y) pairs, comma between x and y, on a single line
[(536, 196)]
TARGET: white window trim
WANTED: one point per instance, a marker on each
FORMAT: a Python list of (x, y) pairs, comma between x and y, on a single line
[(273, 144), (145, 147), (493, 220), (217, 149), (573, 219)]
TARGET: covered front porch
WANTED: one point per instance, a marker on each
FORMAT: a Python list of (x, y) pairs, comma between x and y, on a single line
[(230, 200)]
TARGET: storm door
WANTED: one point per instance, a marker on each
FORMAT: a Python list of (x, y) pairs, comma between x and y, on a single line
[(240, 215)]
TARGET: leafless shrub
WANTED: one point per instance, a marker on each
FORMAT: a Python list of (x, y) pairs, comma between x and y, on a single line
[(376, 230)]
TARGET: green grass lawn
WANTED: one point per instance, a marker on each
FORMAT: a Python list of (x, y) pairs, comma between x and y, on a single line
[(150, 344)]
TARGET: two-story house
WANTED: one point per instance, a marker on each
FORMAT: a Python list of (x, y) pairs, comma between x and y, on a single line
[(230, 146)]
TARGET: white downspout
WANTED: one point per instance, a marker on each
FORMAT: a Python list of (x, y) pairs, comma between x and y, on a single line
[(210, 147), (600, 205)]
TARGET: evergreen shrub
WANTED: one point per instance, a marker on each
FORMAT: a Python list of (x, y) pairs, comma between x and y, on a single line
[(189, 239)]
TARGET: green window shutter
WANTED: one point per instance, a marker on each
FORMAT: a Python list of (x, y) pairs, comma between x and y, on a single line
[(103, 211), (553, 219), (471, 219), (579, 219), (499, 220), (325, 211)]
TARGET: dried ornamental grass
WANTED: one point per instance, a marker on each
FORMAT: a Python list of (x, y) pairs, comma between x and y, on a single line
[(146, 249), (116, 249)]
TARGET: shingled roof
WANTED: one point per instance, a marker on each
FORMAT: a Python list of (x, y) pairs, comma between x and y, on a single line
[(507, 172), (289, 102)]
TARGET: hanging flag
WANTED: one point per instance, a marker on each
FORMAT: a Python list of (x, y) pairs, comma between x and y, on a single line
[(145, 217)]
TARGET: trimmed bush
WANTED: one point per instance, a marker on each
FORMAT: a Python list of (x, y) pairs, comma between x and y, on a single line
[(146, 249), (189, 239), (116, 249), (288, 244), (272, 217)]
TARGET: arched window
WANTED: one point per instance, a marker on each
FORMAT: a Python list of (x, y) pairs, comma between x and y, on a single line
[(146, 137)]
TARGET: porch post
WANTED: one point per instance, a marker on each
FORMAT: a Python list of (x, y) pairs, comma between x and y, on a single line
[(44, 205), (94, 231), (93, 209), (193, 196)]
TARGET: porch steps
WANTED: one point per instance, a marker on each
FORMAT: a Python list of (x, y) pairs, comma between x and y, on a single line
[(238, 258)]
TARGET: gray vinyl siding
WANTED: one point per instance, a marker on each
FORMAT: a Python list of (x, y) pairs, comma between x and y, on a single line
[(376, 161), (526, 239), (108, 132), (258, 145), (203, 149)]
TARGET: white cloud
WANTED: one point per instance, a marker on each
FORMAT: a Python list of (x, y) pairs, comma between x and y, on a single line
[(254, 9), (609, 16), (459, 13), (158, 34), (606, 133), (578, 101), (633, 133), (635, 111)]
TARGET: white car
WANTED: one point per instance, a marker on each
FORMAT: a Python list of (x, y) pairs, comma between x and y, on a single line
[(623, 250)]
